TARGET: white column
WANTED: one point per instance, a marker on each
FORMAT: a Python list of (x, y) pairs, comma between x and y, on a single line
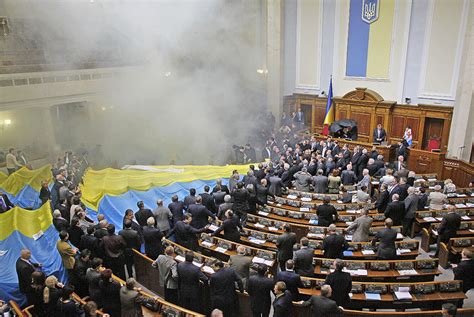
[(274, 56), (462, 125)]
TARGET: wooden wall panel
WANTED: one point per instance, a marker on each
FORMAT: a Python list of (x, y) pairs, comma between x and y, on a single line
[(363, 122), (397, 127), (320, 114), (342, 114), (379, 120)]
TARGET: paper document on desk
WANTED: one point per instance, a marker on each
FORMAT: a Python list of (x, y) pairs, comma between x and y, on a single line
[(351, 211), (399, 235), (305, 199), (403, 295), (197, 264), (429, 219), (407, 272), (439, 218), (316, 235), (304, 209), (259, 225), (272, 229), (268, 262), (256, 259), (401, 251), (179, 258), (263, 213), (208, 270), (368, 252), (213, 227), (372, 296), (348, 237), (292, 197), (220, 250), (360, 272), (257, 241), (470, 205), (207, 244), (462, 195), (466, 218), (460, 205)]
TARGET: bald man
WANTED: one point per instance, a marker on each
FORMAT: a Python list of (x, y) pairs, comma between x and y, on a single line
[(24, 268)]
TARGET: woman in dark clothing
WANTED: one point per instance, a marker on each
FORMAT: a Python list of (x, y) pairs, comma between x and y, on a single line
[(110, 291), (37, 284), (51, 294), (66, 306)]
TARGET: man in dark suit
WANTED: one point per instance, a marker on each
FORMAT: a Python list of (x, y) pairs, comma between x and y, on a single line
[(282, 305), (142, 214), (90, 242), (399, 164), (362, 163), (230, 226), (387, 236), (326, 212), (380, 135), (200, 214), (24, 268), (448, 227), (263, 193), (464, 270), (259, 287), (341, 283), (334, 244), (177, 209), (222, 290), (303, 259), (114, 249), (189, 277), (383, 198), (323, 306), (190, 199), (133, 241), (266, 153), (395, 210), (285, 243), (208, 200), (152, 238), (185, 234), (292, 280)]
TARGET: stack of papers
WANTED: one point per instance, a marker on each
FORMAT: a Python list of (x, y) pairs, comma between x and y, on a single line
[(256, 241), (460, 205), (349, 223), (213, 227), (272, 229), (304, 209), (197, 264), (372, 296), (292, 196), (368, 252), (307, 199), (220, 250), (407, 272), (429, 219), (403, 293), (439, 218), (399, 235), (348, 237), (207, 244), (462, 195), (179, 258), (259, 225), (466, 218), (263, 213), (208, 270), (469, 205), (356, 272), (351, 211), (316, 235), (268, 262)]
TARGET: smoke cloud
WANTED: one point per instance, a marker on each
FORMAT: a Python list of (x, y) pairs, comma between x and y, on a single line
[(192, 90)]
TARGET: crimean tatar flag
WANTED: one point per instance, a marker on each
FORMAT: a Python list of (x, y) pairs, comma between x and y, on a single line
[(329, 118)]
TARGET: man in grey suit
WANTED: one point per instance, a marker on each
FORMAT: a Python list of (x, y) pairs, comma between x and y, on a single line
[(240, 262), (303, 259), (166, 266), (348, 177), (320, 183), (387, 236), (322, 306), (360, 228), (303, 180), (411, 206), (362, 196), (275, 185), (437, 199)]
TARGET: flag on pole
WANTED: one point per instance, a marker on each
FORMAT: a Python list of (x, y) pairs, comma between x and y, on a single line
[(329, 118)]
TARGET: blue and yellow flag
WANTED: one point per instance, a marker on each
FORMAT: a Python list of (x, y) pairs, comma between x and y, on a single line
[(329, 118)]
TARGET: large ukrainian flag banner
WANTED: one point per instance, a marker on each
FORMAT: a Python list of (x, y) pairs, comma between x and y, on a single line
[(370, 38)]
